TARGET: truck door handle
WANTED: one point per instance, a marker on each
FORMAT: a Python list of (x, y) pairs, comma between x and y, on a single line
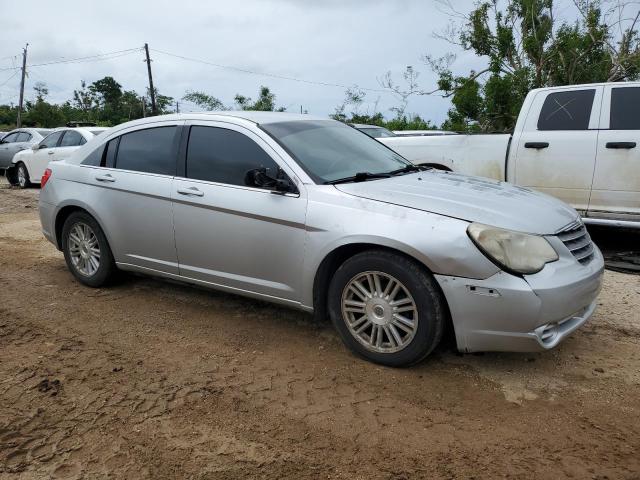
[(105, 178), (618, 145), (536, 145), (191, 191)]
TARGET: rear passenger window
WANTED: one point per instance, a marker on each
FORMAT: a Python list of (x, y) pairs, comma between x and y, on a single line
[(625, 105), (224, 156), (566, 110), (151, 151), (71, 139)]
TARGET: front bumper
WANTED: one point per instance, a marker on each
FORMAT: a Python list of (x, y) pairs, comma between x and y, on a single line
[(523, 314)]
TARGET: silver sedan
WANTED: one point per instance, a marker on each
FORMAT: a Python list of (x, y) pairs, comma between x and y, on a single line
[(313, 214)]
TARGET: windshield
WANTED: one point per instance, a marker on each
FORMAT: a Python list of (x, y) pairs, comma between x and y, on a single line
[(328, 150)]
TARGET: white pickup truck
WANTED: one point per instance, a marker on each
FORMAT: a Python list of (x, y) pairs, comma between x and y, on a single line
[(578, 143)]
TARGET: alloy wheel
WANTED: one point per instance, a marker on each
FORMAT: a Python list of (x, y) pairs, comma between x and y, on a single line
[(84, 249), (379, 311)]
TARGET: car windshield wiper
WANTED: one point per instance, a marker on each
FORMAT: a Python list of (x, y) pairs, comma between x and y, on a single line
[(359, 177), (408, 169)]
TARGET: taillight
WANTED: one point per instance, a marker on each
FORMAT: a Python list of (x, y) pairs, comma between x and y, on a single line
[(45, 177)]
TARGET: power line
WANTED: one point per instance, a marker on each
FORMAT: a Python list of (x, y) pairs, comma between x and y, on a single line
[(97, 57), (7, 80), (265, 74)]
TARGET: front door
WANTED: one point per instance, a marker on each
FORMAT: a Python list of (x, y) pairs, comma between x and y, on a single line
[(229, 232), (616, 182), (556, 152)]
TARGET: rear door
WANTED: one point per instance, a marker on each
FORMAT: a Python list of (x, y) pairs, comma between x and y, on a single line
[(616, 181), (556, 152), (131, 178), (229, 232)]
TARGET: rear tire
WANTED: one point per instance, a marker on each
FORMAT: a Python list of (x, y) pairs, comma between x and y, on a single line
[(87, 251), (22, 176), (387, 308)]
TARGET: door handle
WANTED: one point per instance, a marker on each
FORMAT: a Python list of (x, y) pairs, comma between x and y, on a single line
[(191, 191), (105, 178), (51, 152), (536, 145), (619, 145)]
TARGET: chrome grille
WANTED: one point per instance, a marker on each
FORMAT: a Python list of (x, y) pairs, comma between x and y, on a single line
[(577, 240)]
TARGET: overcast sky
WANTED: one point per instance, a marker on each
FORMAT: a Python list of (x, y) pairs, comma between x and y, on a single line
[(346, 42)]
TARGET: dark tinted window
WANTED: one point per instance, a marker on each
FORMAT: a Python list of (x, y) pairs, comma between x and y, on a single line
[(110, 154), (151, 151), (23, 137), (95, 157), (71, 139), (52, 140), (10, 138), (224, 156), (625, 109), (566, 110)]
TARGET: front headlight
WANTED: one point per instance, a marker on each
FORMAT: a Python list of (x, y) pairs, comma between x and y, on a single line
[(513, 251)]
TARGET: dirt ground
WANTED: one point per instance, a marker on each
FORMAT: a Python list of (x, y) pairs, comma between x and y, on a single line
[(150, 379)]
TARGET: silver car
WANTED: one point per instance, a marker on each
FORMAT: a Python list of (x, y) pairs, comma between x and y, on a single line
[(313, 214), (18, 140)]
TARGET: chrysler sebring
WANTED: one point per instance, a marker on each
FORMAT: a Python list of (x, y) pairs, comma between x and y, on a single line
[(312, 213)]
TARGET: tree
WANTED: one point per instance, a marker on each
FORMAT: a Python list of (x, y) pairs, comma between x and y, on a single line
[(84, 100), (203, 100), (526, 46), (266, 102)]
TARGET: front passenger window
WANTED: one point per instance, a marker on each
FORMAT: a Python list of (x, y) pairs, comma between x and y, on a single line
[(225, 156)]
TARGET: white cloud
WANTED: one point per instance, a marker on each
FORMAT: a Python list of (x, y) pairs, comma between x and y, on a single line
[(338, 41)]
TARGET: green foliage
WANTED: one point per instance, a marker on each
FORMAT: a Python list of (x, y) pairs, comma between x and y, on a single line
[(203, 100), (266, 102), (525, 48)]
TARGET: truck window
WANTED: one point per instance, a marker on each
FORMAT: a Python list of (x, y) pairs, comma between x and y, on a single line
[(625, 105), (567, 110)]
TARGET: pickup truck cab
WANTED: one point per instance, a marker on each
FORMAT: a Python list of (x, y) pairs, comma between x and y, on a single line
[(578, 143)]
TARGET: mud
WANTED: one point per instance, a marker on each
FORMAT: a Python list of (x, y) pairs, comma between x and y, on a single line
[(150, 379)]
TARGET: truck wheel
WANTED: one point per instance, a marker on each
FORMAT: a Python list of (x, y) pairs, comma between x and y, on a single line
[(387, 308), (22, 176)]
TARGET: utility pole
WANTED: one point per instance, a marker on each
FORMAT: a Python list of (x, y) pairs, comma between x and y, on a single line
[(151, 90), (24, 72), (177, 107), (144, 110)]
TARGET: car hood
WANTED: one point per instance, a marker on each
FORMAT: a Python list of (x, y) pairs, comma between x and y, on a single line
[(473, 199)]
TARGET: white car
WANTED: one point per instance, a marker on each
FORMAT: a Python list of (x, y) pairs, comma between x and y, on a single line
[(30, 164)]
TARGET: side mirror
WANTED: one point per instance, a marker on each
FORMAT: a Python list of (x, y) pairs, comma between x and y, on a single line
[(258, 177), (35, 147)]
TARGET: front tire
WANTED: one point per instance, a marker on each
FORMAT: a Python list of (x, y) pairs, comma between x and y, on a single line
[(387, 308), (87, 251), (22, 176)]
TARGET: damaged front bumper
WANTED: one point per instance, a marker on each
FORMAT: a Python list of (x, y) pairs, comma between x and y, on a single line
[(523, 314)]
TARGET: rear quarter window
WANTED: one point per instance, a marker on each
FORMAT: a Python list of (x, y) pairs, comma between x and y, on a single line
[(567, 110)]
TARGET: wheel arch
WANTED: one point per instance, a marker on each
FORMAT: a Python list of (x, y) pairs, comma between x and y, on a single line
[(64, 212), (336, 257)]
